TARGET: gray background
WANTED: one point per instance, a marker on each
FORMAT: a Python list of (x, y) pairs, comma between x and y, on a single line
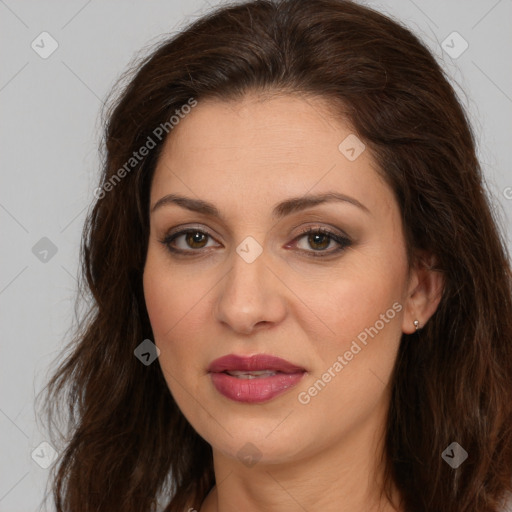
[(49, 165)]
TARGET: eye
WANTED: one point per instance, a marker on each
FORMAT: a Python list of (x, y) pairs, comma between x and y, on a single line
[(190, 239), (320, 239)]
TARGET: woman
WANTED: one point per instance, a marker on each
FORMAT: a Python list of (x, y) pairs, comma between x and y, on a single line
[(301, 297)]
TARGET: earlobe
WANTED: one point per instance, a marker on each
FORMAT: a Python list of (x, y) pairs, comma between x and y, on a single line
[(424, 294)]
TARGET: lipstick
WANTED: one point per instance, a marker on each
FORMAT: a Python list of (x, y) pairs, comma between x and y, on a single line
[(254, 379)]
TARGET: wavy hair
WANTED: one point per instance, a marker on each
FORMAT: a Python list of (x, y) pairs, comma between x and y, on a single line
[(126, 445)]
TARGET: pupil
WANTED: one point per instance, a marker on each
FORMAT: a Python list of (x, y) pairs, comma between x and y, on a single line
[(193, 237), (314, 239)]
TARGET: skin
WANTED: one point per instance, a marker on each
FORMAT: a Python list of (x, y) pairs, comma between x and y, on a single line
[(245, 156)]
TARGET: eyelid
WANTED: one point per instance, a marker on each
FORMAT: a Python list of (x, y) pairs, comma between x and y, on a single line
[(185, 228), (323, 228)]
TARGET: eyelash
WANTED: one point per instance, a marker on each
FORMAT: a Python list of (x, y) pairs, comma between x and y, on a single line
[(342, 241)]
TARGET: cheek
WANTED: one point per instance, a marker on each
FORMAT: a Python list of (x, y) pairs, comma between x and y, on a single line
[(354, 297), (172, 294), (367, 332), (161, 304), (177, 306), (360, 302), (363, 310)]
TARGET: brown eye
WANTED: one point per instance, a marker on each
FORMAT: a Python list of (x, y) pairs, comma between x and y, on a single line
[(195, 237), (187, 241), (319, 239)]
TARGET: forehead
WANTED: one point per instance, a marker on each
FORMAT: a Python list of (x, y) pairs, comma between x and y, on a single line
[(266, 149)]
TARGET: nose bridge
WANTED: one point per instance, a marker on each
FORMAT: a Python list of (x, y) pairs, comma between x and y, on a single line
[(249, 294), (247, 281)]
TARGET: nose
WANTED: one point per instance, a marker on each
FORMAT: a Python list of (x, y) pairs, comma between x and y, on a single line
[(251, 296)]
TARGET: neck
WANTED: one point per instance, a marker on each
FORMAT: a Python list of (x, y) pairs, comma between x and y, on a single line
[(347, 475)]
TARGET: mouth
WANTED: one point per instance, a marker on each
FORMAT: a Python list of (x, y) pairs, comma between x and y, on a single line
[(255, 379), (254, 365), (252, 375)]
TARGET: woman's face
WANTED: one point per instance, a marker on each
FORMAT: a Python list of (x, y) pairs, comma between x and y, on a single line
[(247, 281)]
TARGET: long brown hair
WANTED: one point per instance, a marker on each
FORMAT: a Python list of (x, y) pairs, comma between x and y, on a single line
[(127, 445)]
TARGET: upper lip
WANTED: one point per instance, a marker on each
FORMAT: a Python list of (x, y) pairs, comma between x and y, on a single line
[(233, 362)]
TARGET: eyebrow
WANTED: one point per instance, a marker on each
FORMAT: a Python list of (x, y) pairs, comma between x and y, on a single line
[(291, 205)]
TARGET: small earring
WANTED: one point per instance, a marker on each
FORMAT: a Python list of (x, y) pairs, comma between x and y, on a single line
[(416, 324)]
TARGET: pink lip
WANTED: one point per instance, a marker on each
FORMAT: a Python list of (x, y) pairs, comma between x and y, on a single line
[(260, 389), (256, 362)]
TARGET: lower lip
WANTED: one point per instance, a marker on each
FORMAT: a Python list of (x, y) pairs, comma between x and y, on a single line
[(259, 389)]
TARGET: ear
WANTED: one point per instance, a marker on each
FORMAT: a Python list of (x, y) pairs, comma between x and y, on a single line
[(424, 292)]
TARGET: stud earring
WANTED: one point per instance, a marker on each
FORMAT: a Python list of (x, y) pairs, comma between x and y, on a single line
[(416, 324)]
